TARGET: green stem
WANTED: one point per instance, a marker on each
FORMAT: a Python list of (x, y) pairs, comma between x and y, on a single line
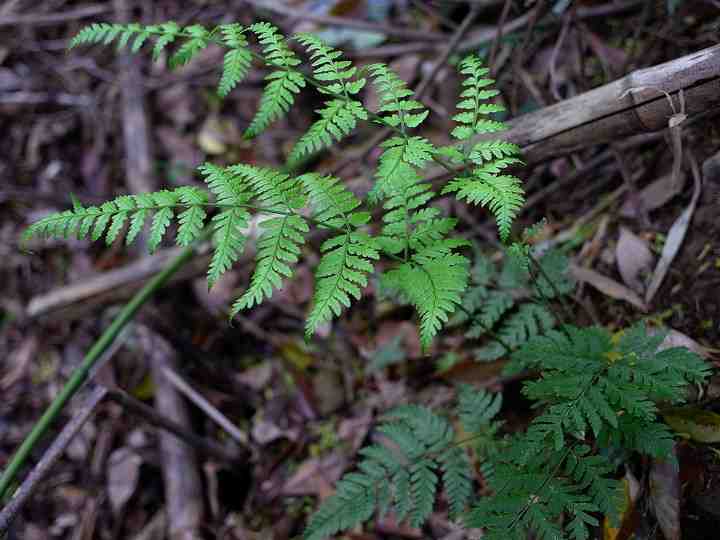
[(80, 375)]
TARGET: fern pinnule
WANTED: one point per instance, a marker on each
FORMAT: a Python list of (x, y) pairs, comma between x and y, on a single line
[(337, 119), (471, 120), (501, 194), (192, 219), (339, 116)]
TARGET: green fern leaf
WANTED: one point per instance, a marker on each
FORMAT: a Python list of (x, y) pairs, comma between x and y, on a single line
[(337, 119), (279, 244), (237, 61), (341, 274), (434, 287), (232, 195), (503, 196), (282, 85), (327, 68), (198, 40), (393, 94), (167, 33), (192, 220), (470, 120)]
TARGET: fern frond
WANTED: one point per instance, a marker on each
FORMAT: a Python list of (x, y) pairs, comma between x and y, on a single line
[(471, 120), (393, 93), (282, 85), (490, 150), (236, 62), (433, 287), (278, 246), (502, 195), (99, 33), (333, 204), (337, 119), (402, 476), (110, 218), (341, 274), (529, 321), (396, 166), (328, 68), (347, 258), (232, 194), (198, 39)]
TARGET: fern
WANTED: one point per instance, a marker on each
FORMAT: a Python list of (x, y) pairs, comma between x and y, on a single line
[(589, 386), (347, 258), (282, 85), (339, 116), (510, 305), (405, 475), (502, 194), (433, 285), (404, 113), (279, 245), (232, 194), (237, 60)]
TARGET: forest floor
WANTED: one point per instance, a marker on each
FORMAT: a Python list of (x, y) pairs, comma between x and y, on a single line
[(96, 124)]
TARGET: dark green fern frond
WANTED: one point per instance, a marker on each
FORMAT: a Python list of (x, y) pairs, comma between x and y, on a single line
[(402, 112), (402, 477), (278, 246), (236, 62), (282, 85)]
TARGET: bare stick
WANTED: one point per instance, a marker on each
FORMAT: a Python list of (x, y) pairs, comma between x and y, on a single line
[(207, 407), (50, 457)]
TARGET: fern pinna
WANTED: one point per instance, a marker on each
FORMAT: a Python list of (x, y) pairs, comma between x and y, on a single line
[(431, 270)]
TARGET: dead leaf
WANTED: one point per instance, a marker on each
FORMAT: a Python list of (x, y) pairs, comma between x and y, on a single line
[(607, 286), (652, 196), (123, 472), (675, 238), (634, 259), (665, 495), (18, 362), (678, 339), (316, 476)]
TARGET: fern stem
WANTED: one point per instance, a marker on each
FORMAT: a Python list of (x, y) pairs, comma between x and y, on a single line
[(81, 373)]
